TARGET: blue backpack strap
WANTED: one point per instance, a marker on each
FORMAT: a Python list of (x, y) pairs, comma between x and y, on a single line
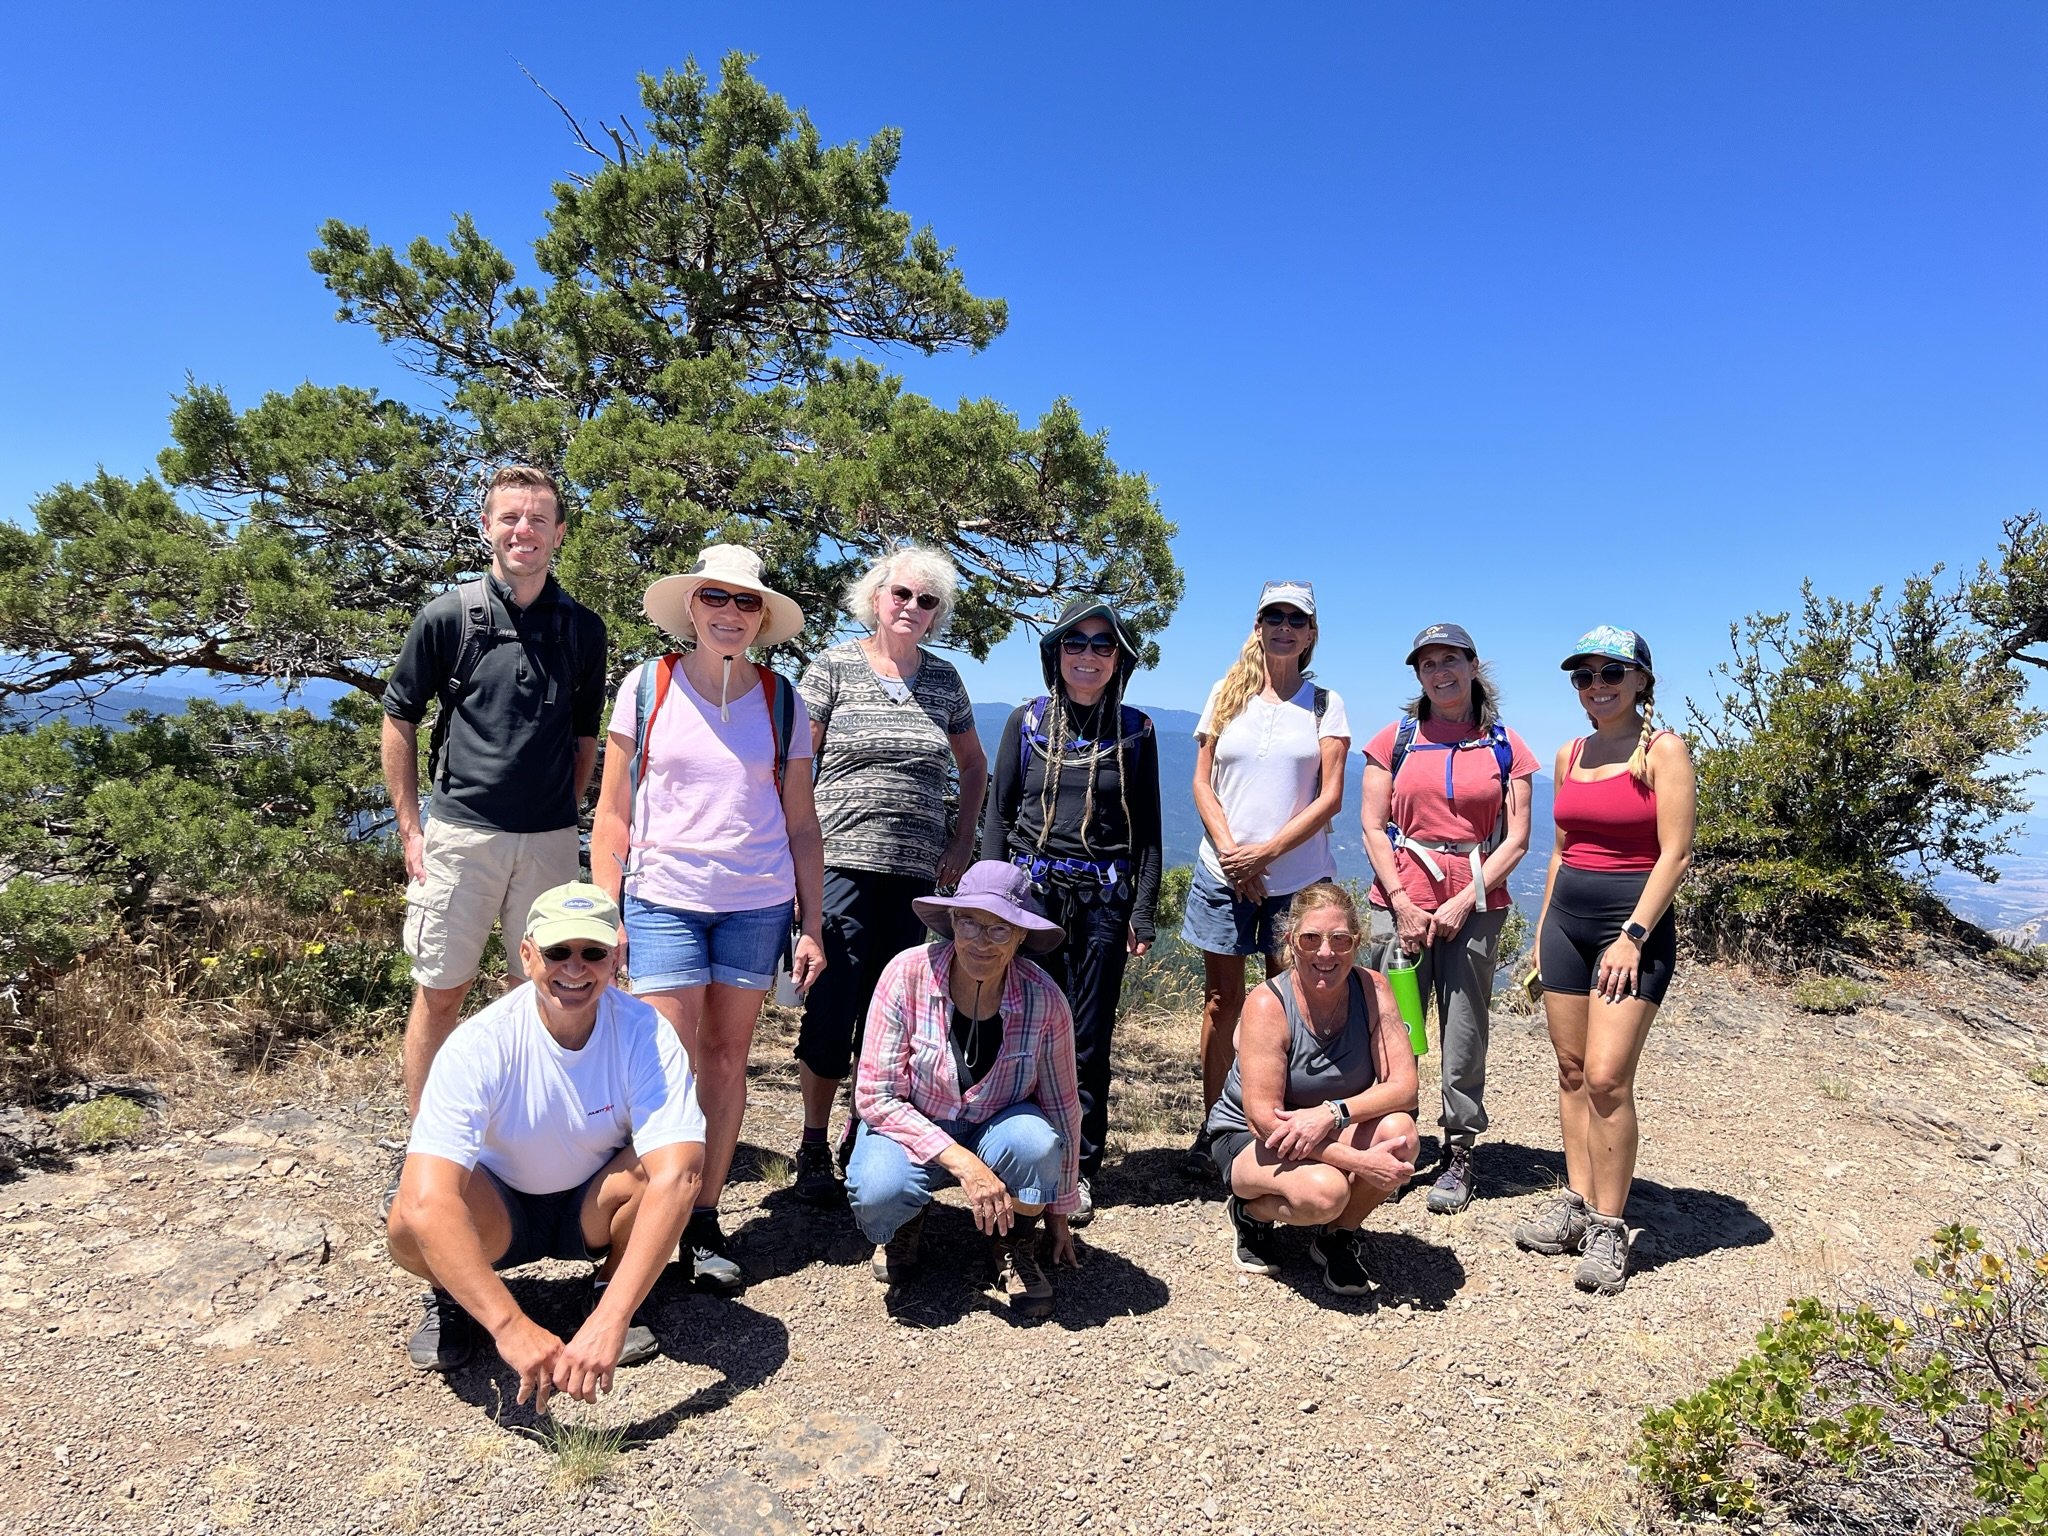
[(1030, 730), (779, 693)]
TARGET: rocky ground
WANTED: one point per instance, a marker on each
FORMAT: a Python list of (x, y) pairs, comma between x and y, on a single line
[(202, 1332)]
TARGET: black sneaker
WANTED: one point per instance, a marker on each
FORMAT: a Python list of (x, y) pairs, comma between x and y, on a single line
[(1252, 1239), (1083, 1213), (1340, 1253), (705, 1250), (816, 1183), (1196, 1163), (639, 1345), (446, 1336)]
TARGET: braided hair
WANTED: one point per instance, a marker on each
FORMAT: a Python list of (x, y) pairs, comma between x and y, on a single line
[(1058, 727)]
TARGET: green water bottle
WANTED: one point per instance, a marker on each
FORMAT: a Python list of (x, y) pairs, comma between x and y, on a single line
[(1408, 998)]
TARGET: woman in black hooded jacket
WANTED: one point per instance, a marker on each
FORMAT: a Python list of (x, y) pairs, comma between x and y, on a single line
[(1074, 800)]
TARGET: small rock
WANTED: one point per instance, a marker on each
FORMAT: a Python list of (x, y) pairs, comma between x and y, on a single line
[(956, 1493)]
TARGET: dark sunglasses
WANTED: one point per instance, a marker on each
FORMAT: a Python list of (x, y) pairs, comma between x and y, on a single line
[(1610, 674), (717, 597), (593, 954), (1081, 645), (923, 600), (1293, 618)]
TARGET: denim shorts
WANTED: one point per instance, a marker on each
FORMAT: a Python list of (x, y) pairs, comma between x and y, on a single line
[(668, 948), (1221, 922)]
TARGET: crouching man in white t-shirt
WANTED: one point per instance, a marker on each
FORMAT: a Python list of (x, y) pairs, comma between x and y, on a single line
[(559, 1123)]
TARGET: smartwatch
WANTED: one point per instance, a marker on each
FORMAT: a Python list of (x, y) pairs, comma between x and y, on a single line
[(1340, 1109), (1635, 931)]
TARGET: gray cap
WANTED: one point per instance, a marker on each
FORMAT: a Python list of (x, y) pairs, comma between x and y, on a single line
[(1442, 634), (1296, 594)]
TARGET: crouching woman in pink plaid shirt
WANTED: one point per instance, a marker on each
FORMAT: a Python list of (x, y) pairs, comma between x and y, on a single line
[(967, 1076)]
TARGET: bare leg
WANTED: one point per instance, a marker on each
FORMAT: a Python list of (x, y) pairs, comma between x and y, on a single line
[(1222, 1002), (1397, 1134), (435, 1013), (1567, 1016), (725, 1032), (1615, 1033)]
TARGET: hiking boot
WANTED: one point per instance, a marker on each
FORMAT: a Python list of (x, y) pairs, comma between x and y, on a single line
[(844, 1153), (639, 1344), (390, 1196), (446, 1336), (1452, 1191), (1252, 1240), (1020, 1274), (1340, 1253), (816, 1183), (1558, 1226), (706, 1251), (1084, 1212), (1196, 1163), (897, 1258), (1604, 1268)]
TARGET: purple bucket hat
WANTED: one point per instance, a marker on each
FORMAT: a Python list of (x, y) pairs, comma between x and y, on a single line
[(1001, 890)]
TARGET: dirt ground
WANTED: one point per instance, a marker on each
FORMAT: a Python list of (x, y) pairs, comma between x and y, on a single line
[(203, 1333)]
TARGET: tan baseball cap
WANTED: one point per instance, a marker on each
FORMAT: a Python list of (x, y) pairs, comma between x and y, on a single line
[(577, 910)]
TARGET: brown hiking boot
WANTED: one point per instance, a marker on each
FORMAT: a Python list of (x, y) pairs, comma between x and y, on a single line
[(897, 1258), (1020, 1274)]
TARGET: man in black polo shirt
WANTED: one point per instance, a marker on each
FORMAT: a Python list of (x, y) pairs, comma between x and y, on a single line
[(519, 669)]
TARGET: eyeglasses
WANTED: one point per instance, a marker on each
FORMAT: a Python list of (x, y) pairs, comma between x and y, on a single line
[(1080, 645), (1293, 618), (924, 600), (717, 597), (1336, 943), (1612, 673), (974, 928), (593, 954)]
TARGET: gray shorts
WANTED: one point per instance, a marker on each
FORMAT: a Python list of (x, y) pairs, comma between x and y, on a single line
[(546, 1226)]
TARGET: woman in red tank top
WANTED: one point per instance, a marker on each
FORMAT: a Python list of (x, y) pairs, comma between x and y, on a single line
[(1606, 944)]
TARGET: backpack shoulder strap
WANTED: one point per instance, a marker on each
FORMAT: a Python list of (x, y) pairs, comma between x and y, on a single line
[(1322, 704), (1503, 751), (1404, 738), (779, 694), (648, 697), (1030, 731)]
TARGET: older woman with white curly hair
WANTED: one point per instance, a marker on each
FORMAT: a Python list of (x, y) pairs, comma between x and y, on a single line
[(889, 721)]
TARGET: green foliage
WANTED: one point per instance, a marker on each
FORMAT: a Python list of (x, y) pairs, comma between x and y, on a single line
[(1854, 750), (104, 1121), (1515, 935), (1843, 1408), (1173, 898), (2021, 962), (1831, 994)]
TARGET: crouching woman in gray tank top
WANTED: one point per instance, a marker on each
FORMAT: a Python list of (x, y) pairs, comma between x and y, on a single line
[(1316, 1123)]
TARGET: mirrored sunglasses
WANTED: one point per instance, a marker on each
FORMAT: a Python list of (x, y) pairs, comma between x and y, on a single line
[(1336, 943)]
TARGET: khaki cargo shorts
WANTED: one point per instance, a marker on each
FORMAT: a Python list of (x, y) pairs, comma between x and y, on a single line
[(477, 877)]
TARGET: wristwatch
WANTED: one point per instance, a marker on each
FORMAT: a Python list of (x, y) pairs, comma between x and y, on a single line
[(1635, 931), (1340, 1109)]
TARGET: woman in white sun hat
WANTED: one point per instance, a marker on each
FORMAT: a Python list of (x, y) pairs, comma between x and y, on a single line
[(707, 836)]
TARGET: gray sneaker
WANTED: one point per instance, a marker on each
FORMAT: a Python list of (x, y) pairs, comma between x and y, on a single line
[(446, 1336), (1452, 1191), (1604, 1268), (895, 1259), (706, 1251), (639, 1345), (1085, 1211), (1558, 1226)]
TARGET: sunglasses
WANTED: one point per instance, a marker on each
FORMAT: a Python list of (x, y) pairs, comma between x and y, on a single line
[(1081, 645), (593, 954), (1336, 943), (1610, 674), (717, 597), (923, 600), (994, 933), (1293, 618)]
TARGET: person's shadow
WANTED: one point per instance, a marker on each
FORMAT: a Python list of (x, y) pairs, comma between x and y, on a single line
[(743, 1346), (1408, 1269), (1675, 1223), (950, 1281), (1148, 1176)]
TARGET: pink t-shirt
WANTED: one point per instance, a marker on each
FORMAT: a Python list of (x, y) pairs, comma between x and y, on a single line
[(707, 833), (1467, 815)]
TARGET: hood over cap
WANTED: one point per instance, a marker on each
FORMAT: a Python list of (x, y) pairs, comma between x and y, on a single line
[(1088, 608)]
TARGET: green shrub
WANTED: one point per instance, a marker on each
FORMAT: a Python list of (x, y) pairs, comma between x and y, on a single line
[(2021, 962), (101, 1122), (1931, 1401), (1831, 994)]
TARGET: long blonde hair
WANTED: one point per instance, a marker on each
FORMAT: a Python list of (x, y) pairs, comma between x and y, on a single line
[(1247, 677)]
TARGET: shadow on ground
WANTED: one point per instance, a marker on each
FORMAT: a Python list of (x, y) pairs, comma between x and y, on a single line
[(1676, 1223), (1423, 1274), (743, 1346), (954, 1263)]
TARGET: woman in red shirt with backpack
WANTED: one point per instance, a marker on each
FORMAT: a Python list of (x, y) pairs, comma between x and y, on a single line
[(1606, 943)]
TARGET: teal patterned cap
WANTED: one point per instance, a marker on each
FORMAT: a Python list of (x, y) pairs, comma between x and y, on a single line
[(1606, 640)]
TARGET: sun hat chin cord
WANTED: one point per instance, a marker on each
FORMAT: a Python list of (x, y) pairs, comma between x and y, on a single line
[(724, 688)]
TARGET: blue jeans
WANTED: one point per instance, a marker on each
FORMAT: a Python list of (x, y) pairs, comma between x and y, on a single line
[(885, 1188)]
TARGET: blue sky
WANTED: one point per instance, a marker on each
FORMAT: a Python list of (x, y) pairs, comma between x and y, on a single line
[(1528, 316)]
